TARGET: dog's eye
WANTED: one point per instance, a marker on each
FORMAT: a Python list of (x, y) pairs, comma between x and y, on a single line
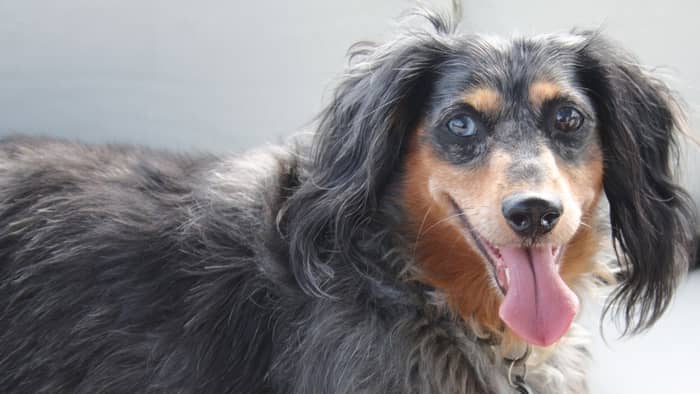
[(462, 125), (568, 119)]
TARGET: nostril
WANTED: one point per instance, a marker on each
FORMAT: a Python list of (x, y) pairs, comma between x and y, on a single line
[(520, 221), (549, 219)]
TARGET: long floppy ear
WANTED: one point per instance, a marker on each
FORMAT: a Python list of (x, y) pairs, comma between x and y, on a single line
[(358, 145), (650, 215)]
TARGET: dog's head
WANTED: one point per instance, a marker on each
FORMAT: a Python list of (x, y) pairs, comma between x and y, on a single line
[(502, 150)]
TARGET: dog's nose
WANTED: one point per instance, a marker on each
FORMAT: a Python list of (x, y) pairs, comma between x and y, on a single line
[(529, 215)]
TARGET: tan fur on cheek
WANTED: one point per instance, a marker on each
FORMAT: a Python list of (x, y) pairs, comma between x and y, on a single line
[(586, 180), (478, 192), (586, 183), (447, 260)]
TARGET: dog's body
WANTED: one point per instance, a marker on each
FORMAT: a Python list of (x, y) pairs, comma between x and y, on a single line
[(168, 275), (316, 268)]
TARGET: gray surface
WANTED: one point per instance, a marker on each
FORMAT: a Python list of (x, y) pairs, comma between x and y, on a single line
[(228, 75)]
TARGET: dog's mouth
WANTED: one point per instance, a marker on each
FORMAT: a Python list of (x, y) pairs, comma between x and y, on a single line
[(537, 304), (501, 270)]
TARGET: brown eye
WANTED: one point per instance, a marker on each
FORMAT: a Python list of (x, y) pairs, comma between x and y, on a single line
[(568, 119)]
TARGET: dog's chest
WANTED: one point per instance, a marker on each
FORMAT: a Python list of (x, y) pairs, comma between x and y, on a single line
[(445, 360)]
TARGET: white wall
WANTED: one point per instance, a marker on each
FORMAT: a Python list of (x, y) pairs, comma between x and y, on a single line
[(181, 74)]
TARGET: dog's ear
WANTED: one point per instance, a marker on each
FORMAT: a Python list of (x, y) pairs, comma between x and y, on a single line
[(357, 148), (650, 215)]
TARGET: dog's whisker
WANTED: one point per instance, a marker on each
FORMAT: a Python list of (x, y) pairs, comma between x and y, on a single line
[(420, 227), (443, 220)]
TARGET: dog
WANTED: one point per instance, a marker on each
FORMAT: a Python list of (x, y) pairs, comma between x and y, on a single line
[(437, 233)]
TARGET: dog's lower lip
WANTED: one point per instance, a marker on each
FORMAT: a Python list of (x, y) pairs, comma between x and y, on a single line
[(500, 271), (485, 248)]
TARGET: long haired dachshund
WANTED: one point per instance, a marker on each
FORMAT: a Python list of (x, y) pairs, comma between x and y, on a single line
[(437, 234)]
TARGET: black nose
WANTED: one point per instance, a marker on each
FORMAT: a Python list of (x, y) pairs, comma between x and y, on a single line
[(529, 215)]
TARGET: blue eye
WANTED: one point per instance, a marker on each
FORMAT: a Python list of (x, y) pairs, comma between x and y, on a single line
[(462, 125)]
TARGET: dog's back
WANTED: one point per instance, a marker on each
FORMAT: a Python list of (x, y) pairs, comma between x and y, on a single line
[(121, 271)]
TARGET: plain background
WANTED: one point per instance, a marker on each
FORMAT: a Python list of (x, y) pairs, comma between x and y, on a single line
[(229, 75)]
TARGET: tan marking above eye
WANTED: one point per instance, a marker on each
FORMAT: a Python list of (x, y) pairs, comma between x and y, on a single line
[(483, 99), (542, 91)]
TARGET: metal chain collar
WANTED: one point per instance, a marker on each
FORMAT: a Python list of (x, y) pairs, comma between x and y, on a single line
[(517, 372)]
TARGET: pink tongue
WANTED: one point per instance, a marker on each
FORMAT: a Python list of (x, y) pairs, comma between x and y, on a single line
[(538, 305)]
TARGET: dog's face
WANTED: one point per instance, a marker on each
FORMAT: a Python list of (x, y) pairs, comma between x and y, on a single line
[(500, 151), (505, 170)]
